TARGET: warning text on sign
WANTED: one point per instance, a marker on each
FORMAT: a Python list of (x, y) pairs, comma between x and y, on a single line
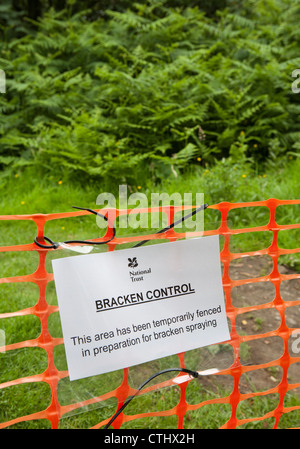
[(110, 322), (150, 331)]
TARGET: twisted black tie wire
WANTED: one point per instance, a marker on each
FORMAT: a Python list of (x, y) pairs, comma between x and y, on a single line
[(55, 245), (194, 374)]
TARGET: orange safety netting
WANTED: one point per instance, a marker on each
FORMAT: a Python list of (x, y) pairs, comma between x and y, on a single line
[(51, 376)]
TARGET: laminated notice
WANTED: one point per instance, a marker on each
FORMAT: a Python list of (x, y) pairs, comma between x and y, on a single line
[(127, 307)]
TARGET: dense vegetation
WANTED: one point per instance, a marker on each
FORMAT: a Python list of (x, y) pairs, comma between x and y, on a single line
[(147, 92), (164, 95)]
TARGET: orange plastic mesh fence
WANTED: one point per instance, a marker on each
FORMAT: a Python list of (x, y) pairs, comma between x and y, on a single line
[(287, 359)]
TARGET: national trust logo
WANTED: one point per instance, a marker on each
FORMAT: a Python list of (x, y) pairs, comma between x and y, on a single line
[(132, 263), (136, 275)]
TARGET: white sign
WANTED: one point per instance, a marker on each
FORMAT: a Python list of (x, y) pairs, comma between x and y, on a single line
[(127, 307)]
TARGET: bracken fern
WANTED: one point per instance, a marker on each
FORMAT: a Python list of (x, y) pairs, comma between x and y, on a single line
[(150, 90)]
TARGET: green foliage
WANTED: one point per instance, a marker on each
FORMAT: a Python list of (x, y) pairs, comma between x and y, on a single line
[(18, 9), (151, 90)]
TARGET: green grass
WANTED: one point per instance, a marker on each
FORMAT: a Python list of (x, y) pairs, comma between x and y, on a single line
[(25, 194)]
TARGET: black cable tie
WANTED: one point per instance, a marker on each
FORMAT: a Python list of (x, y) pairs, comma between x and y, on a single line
[(55, 245), (194, 374), (52, 245), (202, 207), (92, 211)]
